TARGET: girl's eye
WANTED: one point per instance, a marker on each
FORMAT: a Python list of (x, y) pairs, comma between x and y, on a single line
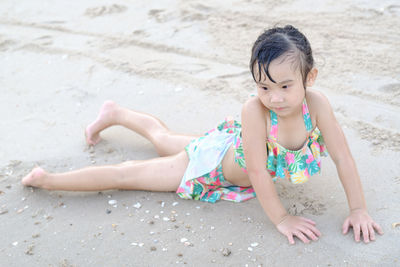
[(264, 88), (285, 86)]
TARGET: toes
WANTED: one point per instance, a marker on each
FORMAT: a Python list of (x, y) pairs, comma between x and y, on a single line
[(35, 174)]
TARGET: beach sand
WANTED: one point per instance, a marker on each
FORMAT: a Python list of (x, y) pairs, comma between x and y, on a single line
[(185, 62)]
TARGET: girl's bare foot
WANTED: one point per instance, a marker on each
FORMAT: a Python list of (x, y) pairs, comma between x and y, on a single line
[(35, 178), (104, 119)]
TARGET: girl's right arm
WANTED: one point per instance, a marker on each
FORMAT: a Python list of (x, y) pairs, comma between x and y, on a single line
[(254, 133)]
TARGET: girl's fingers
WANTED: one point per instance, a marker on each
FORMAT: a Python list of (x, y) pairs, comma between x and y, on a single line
[(310, 234), (291, 239), (377, 228), (371, 232), (365, 232), (308, 220), (315, 230), (302, 237), (345, 227), (356, 230)]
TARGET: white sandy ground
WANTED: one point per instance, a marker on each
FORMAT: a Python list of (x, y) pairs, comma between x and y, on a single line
[(185, 62)]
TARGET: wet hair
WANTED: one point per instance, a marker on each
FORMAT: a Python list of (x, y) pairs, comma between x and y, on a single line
[(277, 41)]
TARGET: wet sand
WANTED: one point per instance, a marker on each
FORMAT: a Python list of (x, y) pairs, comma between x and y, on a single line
[(186, 63)]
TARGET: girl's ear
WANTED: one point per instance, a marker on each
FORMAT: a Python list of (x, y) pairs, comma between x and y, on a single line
[(311, 77)]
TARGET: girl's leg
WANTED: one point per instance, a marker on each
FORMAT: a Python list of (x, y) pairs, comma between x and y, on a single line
[(159, 174), (166, 142)]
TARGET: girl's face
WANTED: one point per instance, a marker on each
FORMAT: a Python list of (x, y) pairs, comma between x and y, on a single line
[(285, 97)]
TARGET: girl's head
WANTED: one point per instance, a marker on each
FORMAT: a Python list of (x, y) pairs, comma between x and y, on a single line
[(282, 66), (286, 43)]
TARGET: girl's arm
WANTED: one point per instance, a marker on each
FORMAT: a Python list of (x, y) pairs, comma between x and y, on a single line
[(254, 133), (340, 153)]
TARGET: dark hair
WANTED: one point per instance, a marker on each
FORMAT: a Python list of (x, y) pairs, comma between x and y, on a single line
[(277, 41)]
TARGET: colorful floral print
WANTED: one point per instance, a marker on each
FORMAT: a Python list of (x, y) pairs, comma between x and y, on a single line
[(297, 166)]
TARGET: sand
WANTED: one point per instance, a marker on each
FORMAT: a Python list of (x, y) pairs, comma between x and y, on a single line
[(186, 63)]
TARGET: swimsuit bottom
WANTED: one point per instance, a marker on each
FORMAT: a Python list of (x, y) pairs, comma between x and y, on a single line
[(203, 179)]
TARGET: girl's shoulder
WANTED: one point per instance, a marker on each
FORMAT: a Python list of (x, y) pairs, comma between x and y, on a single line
[(255, 115), (317, 103), (255, 107)]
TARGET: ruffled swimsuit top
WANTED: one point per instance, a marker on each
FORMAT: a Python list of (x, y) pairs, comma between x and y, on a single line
[(294, 165)]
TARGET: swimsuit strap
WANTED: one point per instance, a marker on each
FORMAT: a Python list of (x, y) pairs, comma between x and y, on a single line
[(307, 117), (273, 134)]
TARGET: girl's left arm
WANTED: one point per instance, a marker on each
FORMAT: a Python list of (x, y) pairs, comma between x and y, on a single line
[(340, 153)]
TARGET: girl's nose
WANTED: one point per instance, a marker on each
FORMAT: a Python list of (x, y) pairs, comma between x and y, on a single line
[(276, 98)]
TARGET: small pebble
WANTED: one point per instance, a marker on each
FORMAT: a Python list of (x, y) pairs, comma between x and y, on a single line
[(162, 204), (175, 203), (250, 249), (112, 202), (153, 248), (255, 244), (180, 255), (166, 219), (230, 244), (183, 239), (108, 211), (164, 249), (29, 251), (156, 216), (141, 244), (226, 252), (137, 205), (150, 222), (3, 212), (15, 244)]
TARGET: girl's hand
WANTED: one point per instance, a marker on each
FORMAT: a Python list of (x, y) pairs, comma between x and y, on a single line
[(361, 222), (298, 226)]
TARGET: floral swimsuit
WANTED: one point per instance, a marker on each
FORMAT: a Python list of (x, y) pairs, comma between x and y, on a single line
[(203, 179)]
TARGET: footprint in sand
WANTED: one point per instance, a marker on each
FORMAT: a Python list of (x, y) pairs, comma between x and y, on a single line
[(6, 44), (393, 88), (160, 15), (44, 40), (298, 202), (394, 9), (104, 10)]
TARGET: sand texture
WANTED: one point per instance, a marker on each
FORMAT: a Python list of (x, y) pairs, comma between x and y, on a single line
[(186, 62)]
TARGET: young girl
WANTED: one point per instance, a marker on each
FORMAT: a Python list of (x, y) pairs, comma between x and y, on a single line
[(280, 137)]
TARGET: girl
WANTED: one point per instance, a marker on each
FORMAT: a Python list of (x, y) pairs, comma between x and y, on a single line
[(280, 137)]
